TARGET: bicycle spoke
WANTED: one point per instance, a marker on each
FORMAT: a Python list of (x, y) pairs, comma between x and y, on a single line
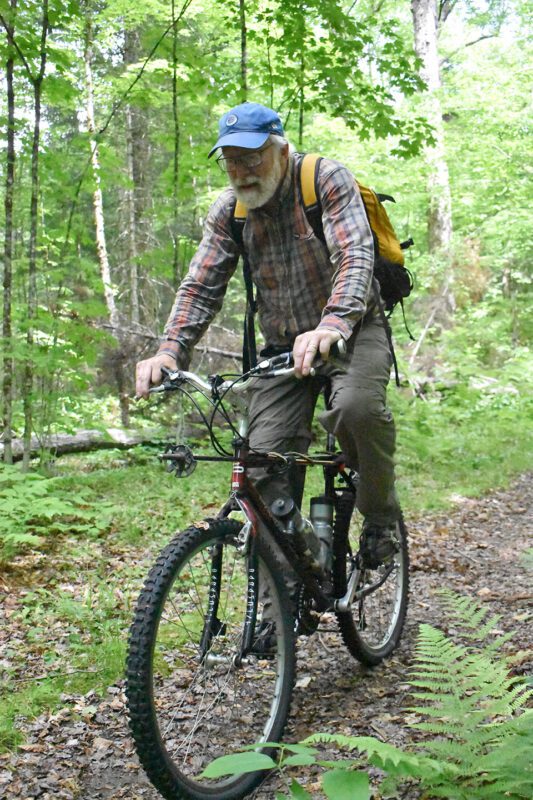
[(199, 706)]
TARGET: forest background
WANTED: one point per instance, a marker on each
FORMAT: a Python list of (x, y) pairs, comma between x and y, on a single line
[(107, 114)]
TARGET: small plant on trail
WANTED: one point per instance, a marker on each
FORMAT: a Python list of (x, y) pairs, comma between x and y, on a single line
[(475, 709)]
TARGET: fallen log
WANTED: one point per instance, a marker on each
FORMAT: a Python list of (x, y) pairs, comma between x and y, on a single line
[(84, 441)]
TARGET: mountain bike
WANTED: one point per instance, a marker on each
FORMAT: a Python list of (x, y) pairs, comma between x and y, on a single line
[(211, 652)]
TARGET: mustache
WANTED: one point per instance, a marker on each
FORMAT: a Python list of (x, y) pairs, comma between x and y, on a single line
[(250, 180)]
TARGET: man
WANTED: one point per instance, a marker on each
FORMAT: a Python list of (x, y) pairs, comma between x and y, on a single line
[(309, 296)]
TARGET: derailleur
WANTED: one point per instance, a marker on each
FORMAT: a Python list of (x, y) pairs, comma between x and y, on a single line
[(180, 460)]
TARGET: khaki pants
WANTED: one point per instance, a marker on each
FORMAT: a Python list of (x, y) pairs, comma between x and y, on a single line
[(281, 411)]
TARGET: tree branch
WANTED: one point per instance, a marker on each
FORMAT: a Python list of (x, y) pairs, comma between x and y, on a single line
[(120, 101), (14, 43), (449, 58), (150, 336), (445, 9)]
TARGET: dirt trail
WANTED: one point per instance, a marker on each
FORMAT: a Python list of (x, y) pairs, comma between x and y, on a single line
[(84, 751)]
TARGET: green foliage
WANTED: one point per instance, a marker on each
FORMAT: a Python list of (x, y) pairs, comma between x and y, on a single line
[(350, 70), (33, 507), (476, 711), (474, 707), (338, 784), (469, 413)]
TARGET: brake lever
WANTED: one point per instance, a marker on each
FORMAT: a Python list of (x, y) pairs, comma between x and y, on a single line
[(170, 381), (336, 358)]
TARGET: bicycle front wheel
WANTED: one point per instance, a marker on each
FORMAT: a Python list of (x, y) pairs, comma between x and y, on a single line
[(191, 698), (372, 626)]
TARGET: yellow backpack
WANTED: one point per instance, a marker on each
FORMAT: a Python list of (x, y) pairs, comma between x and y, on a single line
[(394, 278)]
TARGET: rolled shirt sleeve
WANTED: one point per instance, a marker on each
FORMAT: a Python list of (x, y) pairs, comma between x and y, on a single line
[(200, 296), (350, 245)]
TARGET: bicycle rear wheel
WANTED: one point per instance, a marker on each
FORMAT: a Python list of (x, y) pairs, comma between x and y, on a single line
[(187, 709), (372, 627)]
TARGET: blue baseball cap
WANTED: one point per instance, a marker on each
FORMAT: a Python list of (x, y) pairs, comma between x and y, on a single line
[(248, 125)]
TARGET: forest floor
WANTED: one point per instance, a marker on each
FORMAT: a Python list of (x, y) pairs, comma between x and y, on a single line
[(83, 751)]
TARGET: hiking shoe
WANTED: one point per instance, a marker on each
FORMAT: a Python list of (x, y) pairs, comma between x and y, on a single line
[(264, 644), (377, 545)]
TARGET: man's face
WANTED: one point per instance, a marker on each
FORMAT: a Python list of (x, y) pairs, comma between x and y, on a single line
[(255, 185)]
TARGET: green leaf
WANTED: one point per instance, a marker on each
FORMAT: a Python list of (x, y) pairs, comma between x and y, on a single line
[(299, 792), (340, 784), (237, 763), (299, 760), (301, 749)]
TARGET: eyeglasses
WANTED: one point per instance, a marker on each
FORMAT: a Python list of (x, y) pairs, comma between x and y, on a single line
[(248, 161)]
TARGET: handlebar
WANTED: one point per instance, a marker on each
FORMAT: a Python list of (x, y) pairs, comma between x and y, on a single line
[(274, 367)]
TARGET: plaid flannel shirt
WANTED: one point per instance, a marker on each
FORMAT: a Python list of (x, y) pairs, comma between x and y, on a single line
[(299, 284)]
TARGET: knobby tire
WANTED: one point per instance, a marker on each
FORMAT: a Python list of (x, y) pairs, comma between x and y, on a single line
[(184, 712)]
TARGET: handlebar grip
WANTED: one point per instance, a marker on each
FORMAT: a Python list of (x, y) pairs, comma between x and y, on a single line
[(338, 349)]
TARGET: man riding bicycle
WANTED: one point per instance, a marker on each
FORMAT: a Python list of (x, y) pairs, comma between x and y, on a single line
[(309, 296)]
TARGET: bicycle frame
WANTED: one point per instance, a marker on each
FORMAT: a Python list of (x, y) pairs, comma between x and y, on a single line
[(244, 497)]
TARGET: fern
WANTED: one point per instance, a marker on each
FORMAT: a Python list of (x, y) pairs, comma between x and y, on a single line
[(483, 736), (33, 507), (473, 709), (481, 746)]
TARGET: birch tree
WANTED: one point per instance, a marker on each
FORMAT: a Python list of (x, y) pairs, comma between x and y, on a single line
[(99, 221)]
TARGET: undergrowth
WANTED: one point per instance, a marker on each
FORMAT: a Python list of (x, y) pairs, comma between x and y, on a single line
[(34, 507)]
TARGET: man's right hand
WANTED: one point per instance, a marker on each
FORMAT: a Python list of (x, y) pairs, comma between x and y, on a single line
[(148, 372)]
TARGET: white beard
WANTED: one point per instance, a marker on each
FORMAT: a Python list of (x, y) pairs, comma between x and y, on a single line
[(264, 188)]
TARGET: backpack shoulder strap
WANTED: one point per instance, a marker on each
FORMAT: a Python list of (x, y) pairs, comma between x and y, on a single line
[(238, 218), (249, 349), (308, 169)]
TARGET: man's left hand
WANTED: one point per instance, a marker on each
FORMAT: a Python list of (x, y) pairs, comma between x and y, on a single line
[(310, 344)]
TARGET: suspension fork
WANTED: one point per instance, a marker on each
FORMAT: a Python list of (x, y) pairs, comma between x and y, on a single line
[(212, 625), (252, 599)]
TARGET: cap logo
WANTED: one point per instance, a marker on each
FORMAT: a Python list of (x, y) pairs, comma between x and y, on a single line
[(232, 120)]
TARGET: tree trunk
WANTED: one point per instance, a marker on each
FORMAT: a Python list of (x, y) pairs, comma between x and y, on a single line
[(177, 268), (301, 100), (101, 244), (32, 250), (133, 265), (84, 441), (138, 203), (425, 25), (244, 52), (7, 381)]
